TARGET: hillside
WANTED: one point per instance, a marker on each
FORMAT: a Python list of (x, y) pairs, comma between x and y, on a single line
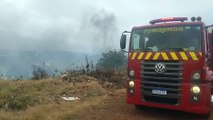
[(21, 63)]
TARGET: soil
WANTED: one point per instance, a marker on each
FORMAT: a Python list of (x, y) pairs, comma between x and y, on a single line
[(115, 108)]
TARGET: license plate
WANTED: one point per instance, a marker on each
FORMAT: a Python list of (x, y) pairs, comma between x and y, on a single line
[(159, 92)]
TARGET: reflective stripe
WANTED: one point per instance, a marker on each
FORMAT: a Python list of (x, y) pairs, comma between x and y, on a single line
[(174, 56), (193, 55), (165, 57), (183, 55), (148, 55), (156, 56), (129, 54), (200, 54), (140, 56), (134, 55)]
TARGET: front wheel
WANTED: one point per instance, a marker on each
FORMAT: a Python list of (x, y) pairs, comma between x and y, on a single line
[(209, 113), (206, 116), (138, 107)]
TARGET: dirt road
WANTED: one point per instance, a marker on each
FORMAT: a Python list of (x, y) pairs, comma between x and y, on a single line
[(116, 109)]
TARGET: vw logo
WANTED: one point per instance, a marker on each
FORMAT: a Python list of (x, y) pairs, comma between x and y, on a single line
[(160, 68)]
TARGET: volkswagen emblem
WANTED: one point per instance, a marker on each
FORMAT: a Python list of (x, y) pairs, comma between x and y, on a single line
[(160, 68)]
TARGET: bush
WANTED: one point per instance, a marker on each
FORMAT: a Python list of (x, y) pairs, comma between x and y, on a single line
[(112, 60), (19, 103), (39, 73), (111, 67)]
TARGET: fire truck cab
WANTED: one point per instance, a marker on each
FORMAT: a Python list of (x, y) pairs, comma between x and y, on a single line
[(170, 64)]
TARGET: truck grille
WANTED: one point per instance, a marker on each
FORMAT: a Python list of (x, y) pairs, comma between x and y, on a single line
[(168, 82)]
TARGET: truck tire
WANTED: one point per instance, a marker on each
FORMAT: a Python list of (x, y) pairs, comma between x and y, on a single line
[(207, 116), (138, 107)]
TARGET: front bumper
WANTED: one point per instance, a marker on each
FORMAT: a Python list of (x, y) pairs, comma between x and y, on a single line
[(202, 106)]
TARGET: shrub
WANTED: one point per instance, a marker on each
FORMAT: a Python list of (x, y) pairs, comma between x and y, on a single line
[(39, 73), (19, 103), (112, 60)]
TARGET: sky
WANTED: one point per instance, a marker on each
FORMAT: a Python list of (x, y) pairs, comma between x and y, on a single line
[(85, 26)]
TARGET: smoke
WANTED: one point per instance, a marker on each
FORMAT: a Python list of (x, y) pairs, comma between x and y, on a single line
[(55, 26), (106, 29), (33, 31), (100, 28), (30, 26)]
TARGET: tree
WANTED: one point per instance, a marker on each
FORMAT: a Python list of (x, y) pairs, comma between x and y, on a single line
[(112, 60), (39, 73)]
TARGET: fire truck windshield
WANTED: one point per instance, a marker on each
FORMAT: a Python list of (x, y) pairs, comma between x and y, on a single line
[(175, 38)]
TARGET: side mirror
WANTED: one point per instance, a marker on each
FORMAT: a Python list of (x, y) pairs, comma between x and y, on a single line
[(123, 42), (212, 38)]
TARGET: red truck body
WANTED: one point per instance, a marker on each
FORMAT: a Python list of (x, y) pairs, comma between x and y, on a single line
[(171, 79)]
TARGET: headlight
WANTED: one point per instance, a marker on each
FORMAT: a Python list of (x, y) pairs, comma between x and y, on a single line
[(131, 73), (195, 89), (131, 84), (196, 76)]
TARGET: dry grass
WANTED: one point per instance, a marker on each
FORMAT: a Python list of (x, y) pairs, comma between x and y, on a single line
[(63, 111), (44, 100)]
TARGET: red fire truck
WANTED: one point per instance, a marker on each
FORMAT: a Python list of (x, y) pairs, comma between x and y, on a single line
[(170, 63)]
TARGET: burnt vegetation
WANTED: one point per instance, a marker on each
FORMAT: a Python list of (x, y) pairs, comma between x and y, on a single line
[(111, 67)]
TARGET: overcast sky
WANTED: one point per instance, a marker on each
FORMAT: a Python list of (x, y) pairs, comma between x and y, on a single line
[(86, 26)]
